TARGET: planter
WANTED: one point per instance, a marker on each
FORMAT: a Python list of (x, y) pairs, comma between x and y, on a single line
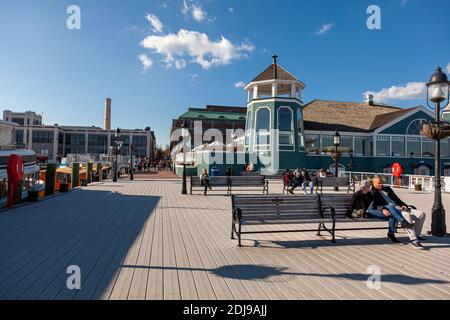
[(63, 187), (418, 187), (435, 131), (33, 195)]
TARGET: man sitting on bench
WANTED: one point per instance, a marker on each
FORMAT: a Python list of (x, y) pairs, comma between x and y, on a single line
[(385, 199)]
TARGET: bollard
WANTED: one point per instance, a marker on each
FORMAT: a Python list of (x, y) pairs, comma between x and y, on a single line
[(50, 176), (75, 175), (89, 171), (99, 171)]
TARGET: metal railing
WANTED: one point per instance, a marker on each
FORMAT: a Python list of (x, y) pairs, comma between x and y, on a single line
[(408, 181)]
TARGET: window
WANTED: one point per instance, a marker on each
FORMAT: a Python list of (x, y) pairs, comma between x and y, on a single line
[(445, 150), (285, 126), (263, 128), (19, 136), (413, 146), (248, 126), (383, 146), (398, 147), (414, 127), (427, 147), (42, 137), (312, 143), (301, 140), (363, 146), (347, 142), (327, 143)]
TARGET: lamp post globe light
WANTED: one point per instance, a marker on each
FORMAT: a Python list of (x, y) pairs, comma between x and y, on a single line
[(185, 135), (116, 153), (437, 92), (336, 155)]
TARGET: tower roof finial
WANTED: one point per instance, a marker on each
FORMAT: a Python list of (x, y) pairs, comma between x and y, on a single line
[(274, 59)]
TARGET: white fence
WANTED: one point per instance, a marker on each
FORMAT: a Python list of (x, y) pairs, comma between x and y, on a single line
[(407, 181)]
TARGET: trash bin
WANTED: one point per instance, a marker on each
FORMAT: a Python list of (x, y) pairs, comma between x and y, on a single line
[(214, 172), (418, 187)]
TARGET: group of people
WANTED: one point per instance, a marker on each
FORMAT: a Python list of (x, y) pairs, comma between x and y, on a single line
[(298, 178), (375, 200)]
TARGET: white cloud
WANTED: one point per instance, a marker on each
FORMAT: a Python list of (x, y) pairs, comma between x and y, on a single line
[(448, 68), (196, 11), (410, 91), (146, 61), (324, 28), (194, 76), (180, 64), (198, 47), (240, 84), (404, 2), (155, 22), (231, 9), (198, 14)]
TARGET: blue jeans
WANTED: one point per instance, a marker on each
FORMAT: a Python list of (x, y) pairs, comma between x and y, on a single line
[(396, 216), (309, 184)]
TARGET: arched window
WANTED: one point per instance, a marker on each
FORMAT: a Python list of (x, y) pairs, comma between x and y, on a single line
[(285, 126), (414, 127), (248, 127), (263, 128), (301, 140)]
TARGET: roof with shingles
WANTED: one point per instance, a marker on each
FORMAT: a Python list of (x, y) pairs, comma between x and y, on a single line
[(270, 74), (329, 115)]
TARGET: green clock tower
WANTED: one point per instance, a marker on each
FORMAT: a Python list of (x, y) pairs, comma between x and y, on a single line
[(274, 126)]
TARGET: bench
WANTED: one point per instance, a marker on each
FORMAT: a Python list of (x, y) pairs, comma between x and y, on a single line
[(250, 210), (213, 181), (251, 174), (335, 182), (249, 181), (340, 204)]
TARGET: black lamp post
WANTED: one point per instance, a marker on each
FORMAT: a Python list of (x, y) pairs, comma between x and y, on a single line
[(116, 153), (336, 155), (131, 163), (185, 134), (437, 92)]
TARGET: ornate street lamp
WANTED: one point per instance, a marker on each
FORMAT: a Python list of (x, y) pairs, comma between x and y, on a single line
[(185, 135), (131, 162), (336, 155), (116, 153), (437, 92)]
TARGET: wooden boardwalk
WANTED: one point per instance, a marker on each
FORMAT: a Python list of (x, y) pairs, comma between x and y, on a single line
[(143, 240)]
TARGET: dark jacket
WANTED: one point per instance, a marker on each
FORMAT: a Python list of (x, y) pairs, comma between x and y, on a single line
[(360, 201), (378, 201)]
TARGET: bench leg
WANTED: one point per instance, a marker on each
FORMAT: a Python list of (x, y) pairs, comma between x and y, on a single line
[(233, 230), (333, 232), (319, 229), (239, 236)]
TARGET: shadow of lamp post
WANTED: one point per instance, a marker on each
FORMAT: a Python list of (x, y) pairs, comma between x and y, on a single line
[(336, 155), (437, 92), (131, 162)]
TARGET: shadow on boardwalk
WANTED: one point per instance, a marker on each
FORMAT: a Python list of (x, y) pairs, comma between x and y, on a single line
[(92, 229), (262, 272)]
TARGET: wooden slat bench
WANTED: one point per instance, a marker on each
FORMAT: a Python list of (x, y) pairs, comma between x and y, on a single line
[(249, 181), (341, 203), (213, 181), (264, 209), (335, 182)]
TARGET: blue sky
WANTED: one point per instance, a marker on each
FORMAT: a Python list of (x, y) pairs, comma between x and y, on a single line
[(66, 74)]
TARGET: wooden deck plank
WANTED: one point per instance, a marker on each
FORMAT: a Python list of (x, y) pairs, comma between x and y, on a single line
[(142, 240)]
